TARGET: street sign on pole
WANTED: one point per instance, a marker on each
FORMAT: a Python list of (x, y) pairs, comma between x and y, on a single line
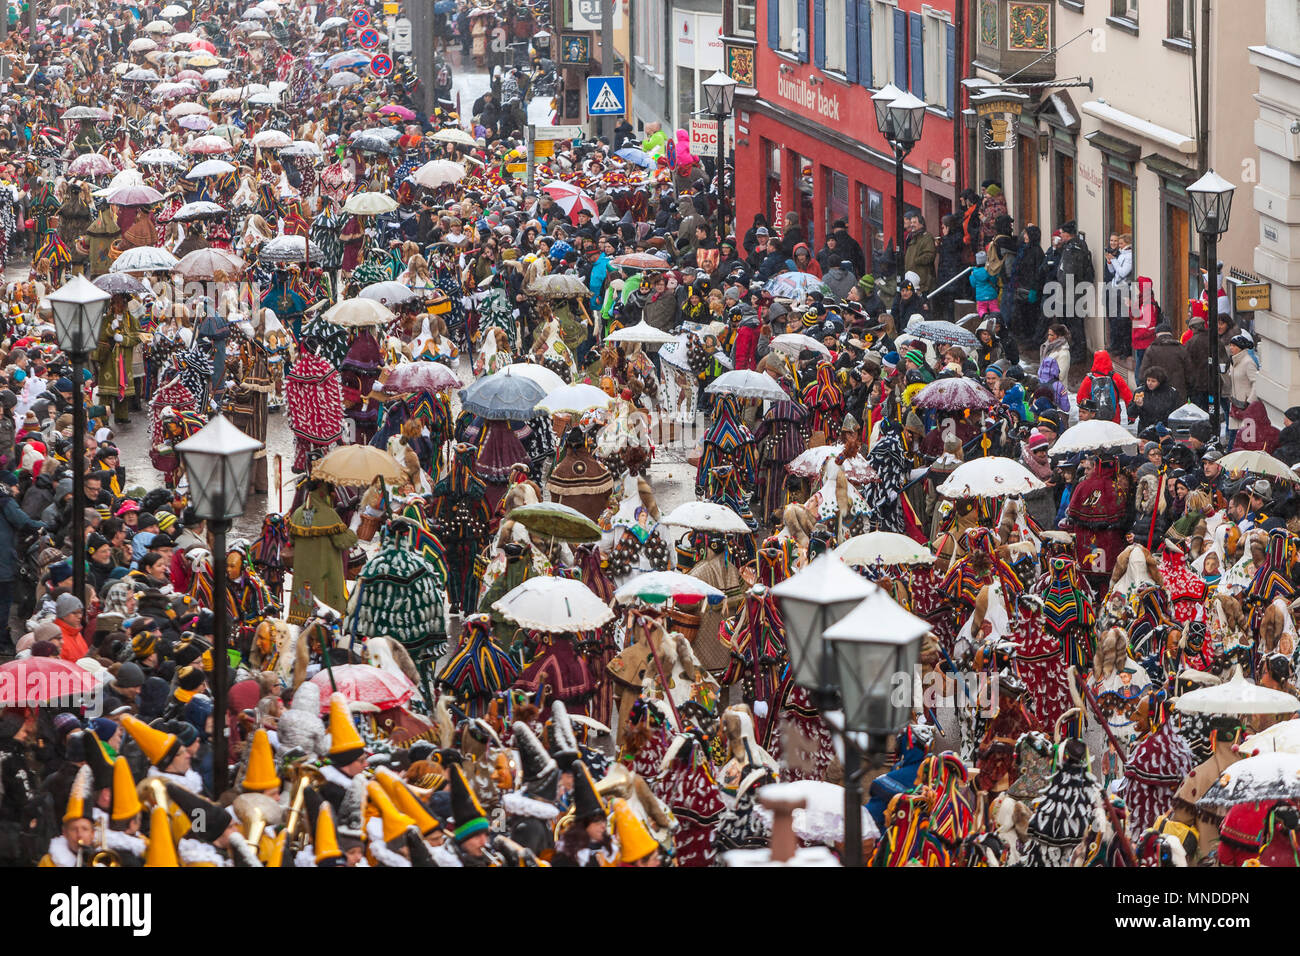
[(368, 38), (704, 137), (381, 64), (360, 18), (606, 96), (558, 132), (399, 37)]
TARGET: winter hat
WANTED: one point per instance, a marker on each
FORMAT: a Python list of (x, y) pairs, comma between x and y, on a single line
[(128, 675), (67, 604), (1038, 440), (1242, 341), (981, 258)]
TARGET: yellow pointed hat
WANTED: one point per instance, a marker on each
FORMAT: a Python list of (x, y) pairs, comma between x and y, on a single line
[(162, 851), (80, 805), (158, 745), (327, 840), (275, 858), (634, 841), (395, 821), (261, 774), (409, 804), (126, 801), (344, 738)]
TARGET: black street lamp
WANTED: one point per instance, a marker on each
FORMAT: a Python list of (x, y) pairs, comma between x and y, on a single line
[(812, 601), (720, 99), (1211, 201), (900, 117), (78, 316), (218, 464)]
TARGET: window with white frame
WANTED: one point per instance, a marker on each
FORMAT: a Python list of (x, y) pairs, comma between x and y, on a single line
[(745, 17), (1124, 10), (658, 58), (882, 43), (1181, 13), (935, 39), (836, 51)]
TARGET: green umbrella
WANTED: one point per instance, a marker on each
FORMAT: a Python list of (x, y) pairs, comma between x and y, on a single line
[(559, 522)]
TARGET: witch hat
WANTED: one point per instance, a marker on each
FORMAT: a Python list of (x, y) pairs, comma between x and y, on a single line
[(208, 820), (157, 745), (394, 820), (346, 744), (466, 812), (634, 842), (97, 760), (80, 803), (560, 739), (126, 801), (260, 774), (587, 804), (410, 805), (541, 773), (162, 850)]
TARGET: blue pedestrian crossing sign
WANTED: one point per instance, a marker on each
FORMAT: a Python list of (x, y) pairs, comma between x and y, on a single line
[(606, 96)]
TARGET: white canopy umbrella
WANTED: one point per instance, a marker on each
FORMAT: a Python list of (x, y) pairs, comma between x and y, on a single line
[(642, 332), (746, 383), (144, 259), (1237, 696), (556, 605), (707, 516), (883, 548), (989, 478), (574, 399), (1095, 435), (369, 204), (540, 374)]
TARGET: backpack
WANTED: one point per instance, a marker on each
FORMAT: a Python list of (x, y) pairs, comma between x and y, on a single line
[(1101, 389), (994, 262)]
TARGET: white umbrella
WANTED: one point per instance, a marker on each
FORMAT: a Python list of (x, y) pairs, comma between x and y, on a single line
[(389, 293), (748, 384), (210, 167), (289, 249), (543, 376), (209, 145), (186, 38), (574, 399), (707, 516), (1282, 737), (369, 204), (454, 134), (158, 26), (142, 75), (271, 139), (1257, 463), (438, 172), (141, 45), (655, 587), (357, 312), (1269, 776), (173, 11), (216, 74), (1237, 696), (642, 332), (821, 819), (161, 157), (558, 605), (882, 548), (792, 343), (185, 109), (1095, 435), (810, 462), (301, 147), (343, 78), (144, 259), (201, 209), (333, 23), (268, 98), (989, 478)]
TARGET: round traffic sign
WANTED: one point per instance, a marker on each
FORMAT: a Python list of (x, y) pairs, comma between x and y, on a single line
[(381, 64), (361, 18), (368, 38)]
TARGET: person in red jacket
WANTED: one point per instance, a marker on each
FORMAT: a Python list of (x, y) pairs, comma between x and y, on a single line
[(1105, 387), (745, 349)]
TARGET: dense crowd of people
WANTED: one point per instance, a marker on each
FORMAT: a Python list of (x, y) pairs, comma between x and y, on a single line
[(472, 637)]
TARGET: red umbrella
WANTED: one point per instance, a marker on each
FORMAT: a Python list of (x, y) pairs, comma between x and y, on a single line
[(365, 684), (204, 45), (392, 109), (44, 680), (639, 260), (570, 199)]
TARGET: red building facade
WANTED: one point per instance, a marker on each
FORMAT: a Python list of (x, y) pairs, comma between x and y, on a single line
[(806, 138)]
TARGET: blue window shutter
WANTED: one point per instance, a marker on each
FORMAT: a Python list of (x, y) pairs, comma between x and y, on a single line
[(851, 40), (803, 29), (774, 24), (900, 49), (951, 40), (917, 76), (864, 42), (819, 33)]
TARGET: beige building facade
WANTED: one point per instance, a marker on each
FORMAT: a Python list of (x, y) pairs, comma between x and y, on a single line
[(1118, 158)]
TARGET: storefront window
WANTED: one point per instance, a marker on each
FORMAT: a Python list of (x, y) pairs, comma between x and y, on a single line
[(686, 97), (871, 216), (1179, 255), (1119, 198), (1027, 187), (745, 15), (804, 197), (836, 187), (1063, 188)]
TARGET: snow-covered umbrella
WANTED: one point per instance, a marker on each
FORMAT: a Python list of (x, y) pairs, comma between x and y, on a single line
[(159, 26), (389, 293), (84, 114), (271, 139), (642, 332), (369, 142), (746, 383), (821, 818), (141, 75), (810, 462), (364, 684), (438, 172), (1095, 435), (140, 195), (555, 605), (92, 165), (501, 397), (209, 146), (144, 259), (356, 313), (216, 74), (948, 333), (1269, 776), (876, 548), (184, 38), (454, 135), (793, 285), (120, 283), (200, 209), (267, 98), (186, 109), (1282, 737), (369, 204), (141, 45), (210, 265), (301, 147), (1237, 696), (558, 285), (574, 399), (989, 478), (343, 78), (656, 587), (792, 343), (208, 168), (953, 394), (547, 380), (423, 376), (197, 122), (333, 23), (171, 91), (1257, 463), (707, 516), (289, 249)]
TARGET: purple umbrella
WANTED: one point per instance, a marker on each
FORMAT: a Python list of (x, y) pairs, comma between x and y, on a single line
[(421, 377)]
